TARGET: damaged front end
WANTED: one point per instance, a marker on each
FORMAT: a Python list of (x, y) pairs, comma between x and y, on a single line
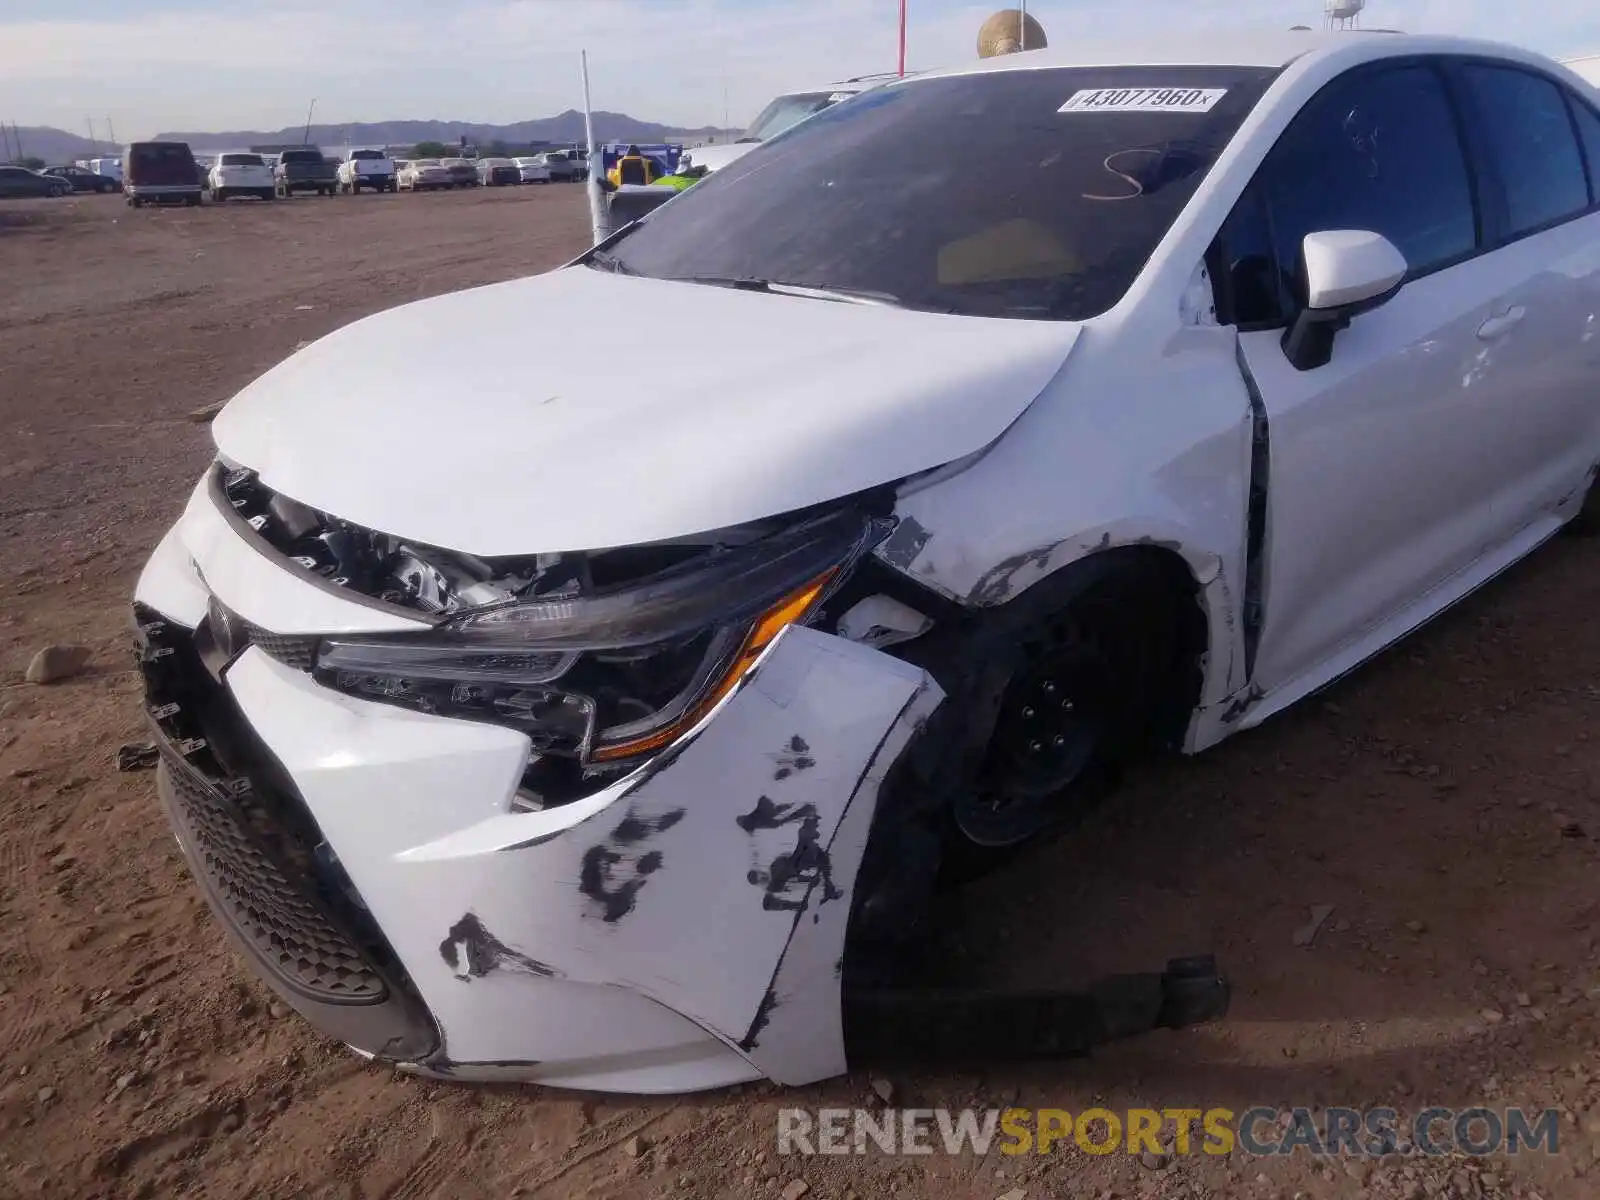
[(600, 658), (604, 819)]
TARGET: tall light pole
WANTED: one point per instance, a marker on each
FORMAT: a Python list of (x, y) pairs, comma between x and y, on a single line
[(902, 38), (306, 139), (1022, 24)]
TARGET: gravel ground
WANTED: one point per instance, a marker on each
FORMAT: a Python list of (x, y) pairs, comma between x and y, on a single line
[(1443, 801)]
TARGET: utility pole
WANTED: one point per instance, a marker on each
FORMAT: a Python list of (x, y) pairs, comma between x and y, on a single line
[(902, 38), (94, 146), (5, 135), (111, 133), (306, 140), (16, 132), (1022, 24)]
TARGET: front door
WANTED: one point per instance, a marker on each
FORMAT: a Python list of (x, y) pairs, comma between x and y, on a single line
[(1379, 472)]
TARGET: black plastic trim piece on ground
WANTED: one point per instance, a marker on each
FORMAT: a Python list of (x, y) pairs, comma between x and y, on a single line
[(975, 1026)]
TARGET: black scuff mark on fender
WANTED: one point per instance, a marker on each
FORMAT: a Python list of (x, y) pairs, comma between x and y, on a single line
[(905, 543), (1243, 704), (764, 1011), (792, 758), (770, 1000), (602, 876), (633, 828), (787, 881), (994, 585), (471, 952), (616, 900)]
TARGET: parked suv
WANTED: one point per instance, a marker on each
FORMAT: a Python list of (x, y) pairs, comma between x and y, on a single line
[(567, 166), (240, 175), (305, 169), (161, 173)]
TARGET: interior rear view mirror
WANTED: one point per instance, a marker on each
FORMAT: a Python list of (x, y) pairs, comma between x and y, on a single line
[(1347, 272)]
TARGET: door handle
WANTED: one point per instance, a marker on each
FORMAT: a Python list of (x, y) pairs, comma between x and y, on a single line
[(1502, 323)]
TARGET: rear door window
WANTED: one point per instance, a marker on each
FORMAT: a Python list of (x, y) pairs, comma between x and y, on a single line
[(1377, 150), (1524, 125)]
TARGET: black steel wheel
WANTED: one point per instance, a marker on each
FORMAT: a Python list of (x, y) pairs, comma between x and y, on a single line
[(1085, 696)]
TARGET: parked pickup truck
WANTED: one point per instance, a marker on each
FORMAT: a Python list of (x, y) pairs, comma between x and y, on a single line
[(366, 169), (305, 170)]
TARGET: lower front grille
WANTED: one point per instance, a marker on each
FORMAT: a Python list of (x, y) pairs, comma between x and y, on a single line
[(283, 925), (263, 863)]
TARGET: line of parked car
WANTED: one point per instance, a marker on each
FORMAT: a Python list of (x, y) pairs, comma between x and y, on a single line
[(170, 173), (441, 174)]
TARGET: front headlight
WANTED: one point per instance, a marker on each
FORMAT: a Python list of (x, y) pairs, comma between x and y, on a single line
[(619, 672)]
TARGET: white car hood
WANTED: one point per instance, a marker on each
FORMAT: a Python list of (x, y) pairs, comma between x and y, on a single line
[(714, 158), (580, 409)]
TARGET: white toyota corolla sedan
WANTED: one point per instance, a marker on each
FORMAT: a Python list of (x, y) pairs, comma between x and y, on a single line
[(604, 725)]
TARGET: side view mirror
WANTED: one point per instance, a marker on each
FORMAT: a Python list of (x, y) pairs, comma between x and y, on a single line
[(1347, 272)]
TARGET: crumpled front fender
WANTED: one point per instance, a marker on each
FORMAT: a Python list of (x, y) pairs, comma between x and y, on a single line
[(716, 881)]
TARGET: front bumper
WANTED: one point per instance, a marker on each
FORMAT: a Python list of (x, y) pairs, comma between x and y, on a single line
[(680, 929)]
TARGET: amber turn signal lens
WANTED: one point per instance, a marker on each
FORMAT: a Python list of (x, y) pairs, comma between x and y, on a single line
[(793, 607)]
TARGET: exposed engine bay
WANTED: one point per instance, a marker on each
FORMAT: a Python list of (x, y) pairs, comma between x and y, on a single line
[(440, 582)]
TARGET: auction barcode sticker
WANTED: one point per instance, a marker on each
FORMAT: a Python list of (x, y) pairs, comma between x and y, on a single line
[(1146, 99)]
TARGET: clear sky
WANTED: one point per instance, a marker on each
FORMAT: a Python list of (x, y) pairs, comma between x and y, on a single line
[(154, 65)]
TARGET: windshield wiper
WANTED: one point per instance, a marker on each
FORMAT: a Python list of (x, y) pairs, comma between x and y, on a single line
[(816, 291)]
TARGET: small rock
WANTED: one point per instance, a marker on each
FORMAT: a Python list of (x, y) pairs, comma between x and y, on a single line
[(1014, 1194), (884, 1090), (46, 1094), (1417, 926), (63, 860), (1152, 1161), (55, 663), (1479, 967), (794, 1189), (230, 1123), (1307, 933), (124, 1082), (635, 1146), (1524, 1000), (277, 1011), (206, 412), (1568, 825), (1492, 1015)]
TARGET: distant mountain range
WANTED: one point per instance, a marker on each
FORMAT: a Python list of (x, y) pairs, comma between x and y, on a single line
[(57, 145)]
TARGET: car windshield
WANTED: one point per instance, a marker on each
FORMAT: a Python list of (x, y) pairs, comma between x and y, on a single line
[(1020, 193), (240, 160), (365, 155), (300, 156), (784, 112)]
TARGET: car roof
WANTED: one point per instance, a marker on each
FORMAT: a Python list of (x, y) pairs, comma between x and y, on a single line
[(1264, 48)]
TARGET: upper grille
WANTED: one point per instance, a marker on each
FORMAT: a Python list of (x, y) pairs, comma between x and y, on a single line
[(292, 650)]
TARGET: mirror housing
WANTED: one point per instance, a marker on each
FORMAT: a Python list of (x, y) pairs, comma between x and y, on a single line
[(1347, 272)]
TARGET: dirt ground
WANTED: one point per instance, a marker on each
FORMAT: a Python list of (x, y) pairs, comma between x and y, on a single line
[(1444, 801)]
